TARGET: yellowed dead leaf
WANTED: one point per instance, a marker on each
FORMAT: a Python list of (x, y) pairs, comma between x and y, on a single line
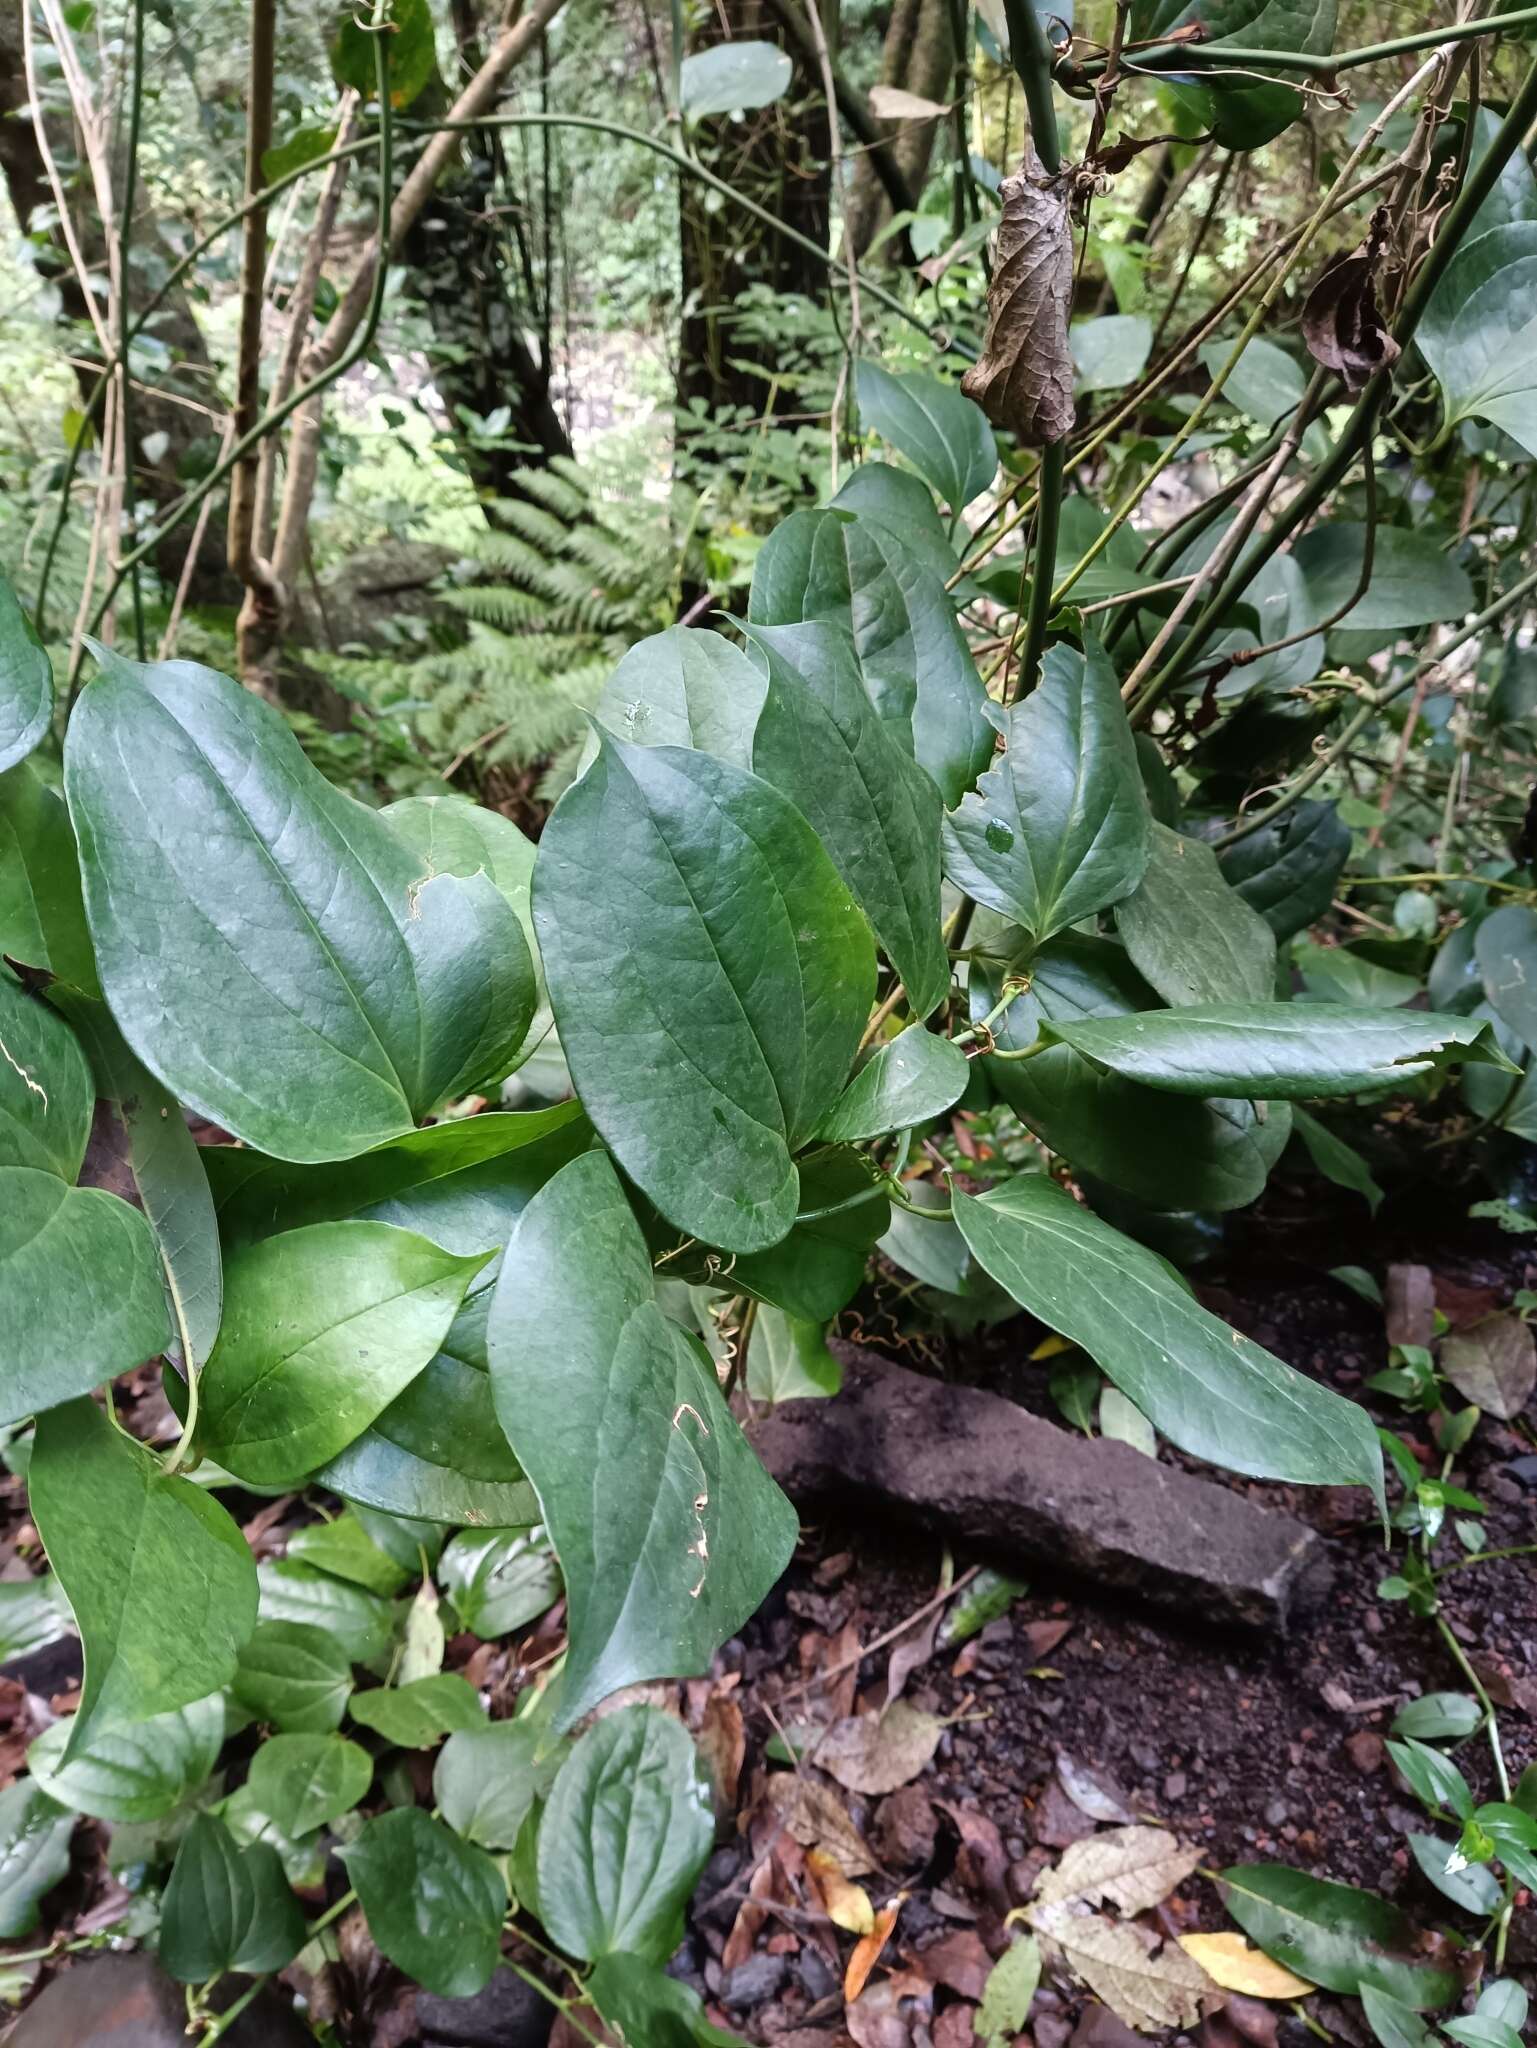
[(1133, 1869), (1052, 1347), (867, 1952), (1229, 1960), (1145, 1985), (847, 1905)]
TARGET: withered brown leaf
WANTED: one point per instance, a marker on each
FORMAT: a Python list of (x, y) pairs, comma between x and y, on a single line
[(1342, 323), (1023, 379)]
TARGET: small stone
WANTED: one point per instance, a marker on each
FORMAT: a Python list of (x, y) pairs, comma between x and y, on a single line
[(754, 1982), (508, 2014), (1365, 1751), (1050, 2029), (1277, 1813), (1174, 1787)]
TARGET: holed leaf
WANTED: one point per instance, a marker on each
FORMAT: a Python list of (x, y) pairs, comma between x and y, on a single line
[(669, 1531)]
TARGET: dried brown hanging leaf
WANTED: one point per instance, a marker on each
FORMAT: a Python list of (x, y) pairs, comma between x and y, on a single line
[(1023, 379), (1147, 1986), (1342, 323), (1133, 1868)]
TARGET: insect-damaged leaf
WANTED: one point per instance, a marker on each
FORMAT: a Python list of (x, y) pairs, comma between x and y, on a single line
[(668, 1529), (1023, 379), (1130, 1868), (1147, 1987)]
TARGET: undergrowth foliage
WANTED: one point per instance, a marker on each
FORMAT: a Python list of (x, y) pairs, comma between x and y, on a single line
[(802, 896)]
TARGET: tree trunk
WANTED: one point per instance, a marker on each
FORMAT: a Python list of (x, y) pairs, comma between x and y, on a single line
[(918, 56)]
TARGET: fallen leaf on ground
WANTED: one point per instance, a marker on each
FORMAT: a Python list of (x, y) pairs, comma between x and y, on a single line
[(1011, 1985), (722, 1747), (1055, 1821), (1409, 1303), (904, 1830), (1133, 1869), (879, 1752), (1147, 1986), (845, 1903), (955, 2028), (867, 1951), (815, 1817), (1231, 1961), (1494, 1365), (750, 1916), (1089, 1793), (877, 2019), (959, 1961), (982, 1866)]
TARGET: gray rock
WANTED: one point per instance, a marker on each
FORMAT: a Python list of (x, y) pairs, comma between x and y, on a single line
[(754, 1982), (129, 2002), (507, 2014)]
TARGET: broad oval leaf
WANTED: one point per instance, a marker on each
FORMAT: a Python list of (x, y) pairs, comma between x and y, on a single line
[(417, 1715), (1191, 935), (625, 1832), (788, 1360), (294, 1675), (882, 495), (46, 1095), (732, 77), (1281, 1050), (346, 1550), (1505, 947), (1060, 828), (943, 435), (486, 1779), (1334, 1935), (912, 657), (710, 976), (1208, 1389), (34, 1853), (434, 1903), (159, 1579), (687, 687), (453, 836), (668, 1530), (410, 53), (42, 916), (1476, 333), (821, 744), (1109, 352), (80, 1278), (26, 681), (361, 1625), (1287, 871), (138, 1773), (911, 1079), (227, 1908), (498, 1579), (303, 1781), (270, 948), (323, 1327), (1414, 581)]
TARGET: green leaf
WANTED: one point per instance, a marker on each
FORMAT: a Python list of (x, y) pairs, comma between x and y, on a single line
[(1011, 1985), (295, 1675), (1205, 1387), (1414, 582), (732, 77), (626, 1830), (1111, 352), (1060, 829), (303, 1781), (1279, 605), (434, 1904), (46, 1096), (789, 1360), (42, 916), (1336, 1160), (710, 976), (227, 1908), (687, 687), (1395, 2024), (160, 1580), (437, 1453), (418, 1715), (1288, 871), (410, 48), (26, 682), (669, 1531), (498, 1579), (1334, 1935), (129, 1774), (33, 1614), (1474, 1887), (323, 1327), (1435, 1779), (1476, 333), (643, 2003), (911, 656), (345, 1549), (453, 836), (303, 146), (821, 743), (943, 435), (1189, 933), (882, 495), (1336, 974), (1439, 1716), (326, 994), (1265, 382), (487, 1779), (1505, 947), (1241, 114), (1286, 1050), (34, 1854), (361, 1624), (81, 1282)]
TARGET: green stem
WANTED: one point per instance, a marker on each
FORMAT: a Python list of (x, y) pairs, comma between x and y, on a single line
[(1198, 56), (1033, 58), (124, 248), (1461, 1564), (566, 2007), (1043, 566)]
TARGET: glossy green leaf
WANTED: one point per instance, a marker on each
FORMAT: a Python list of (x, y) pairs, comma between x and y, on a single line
[(1189, 933), (882, 495), (687, 687), (669, 1531), (303, 1781), (710, 975), (1435, 1779), (437, 1453), (26, 682), (34, 1854), (943, 435), (1208, 1389), (1394, 2024), (80, 1278), (1505, 947), (1414, 581), (1338, 974), (129, 1774), (638, 1999), (821, 743), (1472, 1886), (361, 1625), (626, 1830), (410, 47), (299, 147), (911, 656), (160, 1580), (1109, 352), (294, 1675), (42, 915), (33, 1613), (226, 1908), (326, 995), (453, 836), (1060, 828), (1476, 333), (487, 1778), (1281, 1050), (1439, 1716), (1288, 871), (1241, 114), (323, 1327), (498, 1579), (345, 1549), (46, 1096), (1334, 1935), (909, 1080), (417, 1715), (730, 77), (434, 1903), (789, 1360), (1336, 1160)]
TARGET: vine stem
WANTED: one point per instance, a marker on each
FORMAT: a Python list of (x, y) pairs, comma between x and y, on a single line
[(1194, 57), (124, 248)]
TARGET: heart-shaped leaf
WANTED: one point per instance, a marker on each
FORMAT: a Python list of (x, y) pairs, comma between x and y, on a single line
[(226, 1908), (434, 1903)]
